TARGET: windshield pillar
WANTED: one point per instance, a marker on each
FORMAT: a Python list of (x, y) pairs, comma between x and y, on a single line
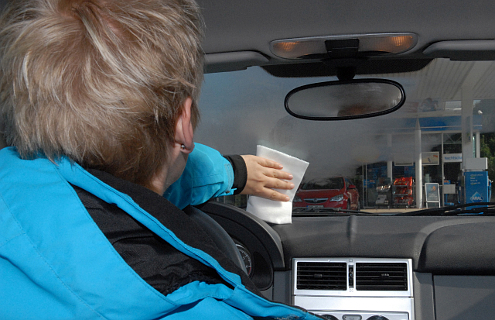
[(478, 144), (467, 123), (389, 162), (419, 165)]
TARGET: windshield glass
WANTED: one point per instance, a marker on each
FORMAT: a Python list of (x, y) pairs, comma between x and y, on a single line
[(416, 157)]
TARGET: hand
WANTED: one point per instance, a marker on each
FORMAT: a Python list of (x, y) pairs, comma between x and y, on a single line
[(263, 176)]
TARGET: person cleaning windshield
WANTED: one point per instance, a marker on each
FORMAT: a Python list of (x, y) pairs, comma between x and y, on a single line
[(208, 174)]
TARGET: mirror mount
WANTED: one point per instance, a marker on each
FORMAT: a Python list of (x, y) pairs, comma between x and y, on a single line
[(346, 73)]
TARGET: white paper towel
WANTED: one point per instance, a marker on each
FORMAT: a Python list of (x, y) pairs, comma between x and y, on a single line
[(278, 211)]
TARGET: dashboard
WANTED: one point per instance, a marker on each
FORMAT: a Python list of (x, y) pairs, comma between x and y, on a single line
[(450, 262)]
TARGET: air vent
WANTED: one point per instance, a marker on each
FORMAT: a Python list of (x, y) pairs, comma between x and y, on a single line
[(381, 276), (321, 276)]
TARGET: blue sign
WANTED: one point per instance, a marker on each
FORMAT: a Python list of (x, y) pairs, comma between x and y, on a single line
[(450, 123), (476, 186), (452, 157)]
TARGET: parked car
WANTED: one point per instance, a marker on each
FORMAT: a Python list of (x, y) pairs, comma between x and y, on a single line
[(335, 192)]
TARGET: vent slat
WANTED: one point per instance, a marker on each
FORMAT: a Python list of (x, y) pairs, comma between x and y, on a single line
[(381, 276), (321, 276)]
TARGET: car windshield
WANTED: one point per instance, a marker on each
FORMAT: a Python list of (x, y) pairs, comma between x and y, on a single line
[(318, 184), (421, 156)]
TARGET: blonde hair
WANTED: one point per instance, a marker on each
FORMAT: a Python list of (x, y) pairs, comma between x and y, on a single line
[(100, 81)]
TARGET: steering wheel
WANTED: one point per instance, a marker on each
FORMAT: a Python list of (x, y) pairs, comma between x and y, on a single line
[(221, 238), (261, 250)]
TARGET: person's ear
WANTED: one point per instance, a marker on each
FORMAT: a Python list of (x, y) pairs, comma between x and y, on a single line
[(184, 131)]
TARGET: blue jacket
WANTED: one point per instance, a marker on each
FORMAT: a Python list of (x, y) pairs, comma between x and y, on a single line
[(55, 263), (207, 175)]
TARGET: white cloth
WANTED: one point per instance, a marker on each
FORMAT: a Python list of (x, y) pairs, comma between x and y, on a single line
[(278, 212)]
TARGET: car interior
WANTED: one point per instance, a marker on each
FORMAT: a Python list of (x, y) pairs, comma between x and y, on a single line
[(375, 91), (432, 260)]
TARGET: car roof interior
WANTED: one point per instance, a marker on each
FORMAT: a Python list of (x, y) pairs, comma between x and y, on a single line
[(239, 34)]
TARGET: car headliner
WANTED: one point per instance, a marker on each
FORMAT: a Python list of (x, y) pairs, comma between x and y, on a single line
[(237, 29), (238, 33)]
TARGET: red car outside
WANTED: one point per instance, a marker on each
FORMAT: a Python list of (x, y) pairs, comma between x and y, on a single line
[(335, 192)]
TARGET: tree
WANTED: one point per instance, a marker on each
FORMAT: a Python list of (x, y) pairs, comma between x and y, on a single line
[(487, 149)]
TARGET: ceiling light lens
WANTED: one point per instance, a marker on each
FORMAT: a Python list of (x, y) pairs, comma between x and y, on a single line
[(312, 47), (298, 49)]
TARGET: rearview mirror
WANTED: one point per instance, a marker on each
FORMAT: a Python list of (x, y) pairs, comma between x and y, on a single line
[(345, 100)]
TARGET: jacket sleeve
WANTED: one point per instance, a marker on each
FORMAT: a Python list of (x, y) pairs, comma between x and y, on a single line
[(207, 175)]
